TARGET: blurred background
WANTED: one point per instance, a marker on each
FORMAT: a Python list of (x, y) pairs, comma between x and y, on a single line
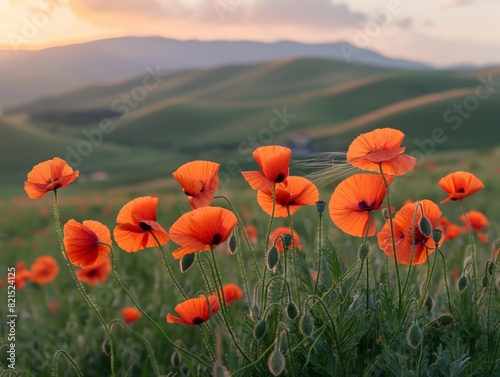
[(127, 91)]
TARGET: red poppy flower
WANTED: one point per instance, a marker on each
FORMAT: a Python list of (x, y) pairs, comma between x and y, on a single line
[(353, 201), (478, 221), (199, 181), (96, 274), (54, 306), (195, 311), (280, 231), (482, 237), (202, 228), (48, 176), (22, 276), (273, 161), (231, 292), (131, 314), (459, 185), (136, 221), (44, 269), (297, 192), (381, 146), (451, 231), (403, 235), (84, 242)]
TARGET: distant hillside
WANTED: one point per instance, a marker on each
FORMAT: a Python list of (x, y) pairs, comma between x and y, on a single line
[(221, 114), (55, 70)]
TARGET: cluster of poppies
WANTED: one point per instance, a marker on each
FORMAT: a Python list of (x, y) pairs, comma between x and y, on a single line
[(279, 194)]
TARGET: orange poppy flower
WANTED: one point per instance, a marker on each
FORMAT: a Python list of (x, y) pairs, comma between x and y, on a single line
[(48, 176), (280, 231), (54, 306), (381, 146), (451, 231), (199, 181), (251, 231), (22, 276), (136, 221), (202, 228), (131, 314), (96, 274), (353, 201), (297, 192), (478, 221), (403, 235), (482, 237), (84, 242), (44, 269), (459, 185), (194, 311), (231, 292), (273, 161)]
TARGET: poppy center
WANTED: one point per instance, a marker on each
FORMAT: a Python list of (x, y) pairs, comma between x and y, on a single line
[(461, 191), (217, 238), (197, 321), (144, 226), (279, 178), (364, 206)]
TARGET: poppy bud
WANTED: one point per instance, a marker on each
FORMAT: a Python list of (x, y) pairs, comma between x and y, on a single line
[(260, 329), (186, 262), (484, 281), (233, 244), (437, 234), (462, 283), (490, 267), (287, 240), (445, 319), (276, 363), (414, 336), (425, 226), (255, 311), (364, 250), (291, 311), (306, 325), (176, 359), (272, 258), (429, 303), (320, 206)]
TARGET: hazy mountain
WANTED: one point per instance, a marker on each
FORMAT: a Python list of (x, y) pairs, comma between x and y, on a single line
[(29, 75)]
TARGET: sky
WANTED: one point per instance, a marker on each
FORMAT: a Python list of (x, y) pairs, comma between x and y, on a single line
[(437, 32)]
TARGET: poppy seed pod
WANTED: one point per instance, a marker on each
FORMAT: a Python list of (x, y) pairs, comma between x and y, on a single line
[(437, 235), (320, 206)]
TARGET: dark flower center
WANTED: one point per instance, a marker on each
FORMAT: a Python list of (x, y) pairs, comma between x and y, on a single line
[(217, 238), (280, 178), (364, 206), (144, 226), (197, 321), (461, 191)]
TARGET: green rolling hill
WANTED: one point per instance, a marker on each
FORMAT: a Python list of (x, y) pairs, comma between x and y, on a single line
[(209, 113)]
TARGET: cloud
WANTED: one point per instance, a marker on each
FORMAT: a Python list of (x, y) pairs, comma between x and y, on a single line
[(311, 12)]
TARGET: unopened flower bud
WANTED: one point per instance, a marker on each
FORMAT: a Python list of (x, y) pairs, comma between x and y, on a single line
[(425, 226), (287, 240), (445, 319), (364, 250), (306, 325), (272, 258), (462, 283), (260, 329), (233, 244), (276, 363), (291, 310), (414, 336), (186, 262)]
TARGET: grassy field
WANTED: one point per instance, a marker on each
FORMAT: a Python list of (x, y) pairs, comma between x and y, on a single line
[(208, 115)]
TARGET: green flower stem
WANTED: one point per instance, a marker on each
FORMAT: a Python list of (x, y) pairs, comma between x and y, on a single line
[(430, 270), (490, 295), (146, 315), (69, 358), (222, 300), (267, 244), (172, 276), (400, 296), (79, 285), (143, 340), (473, 253), (367, 264), (285, 284), (342, 278), (446, 282), (295, 270), (319, 253), (242, 229)]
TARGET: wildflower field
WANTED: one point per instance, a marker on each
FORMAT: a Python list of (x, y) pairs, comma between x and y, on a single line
[(375, 265)]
